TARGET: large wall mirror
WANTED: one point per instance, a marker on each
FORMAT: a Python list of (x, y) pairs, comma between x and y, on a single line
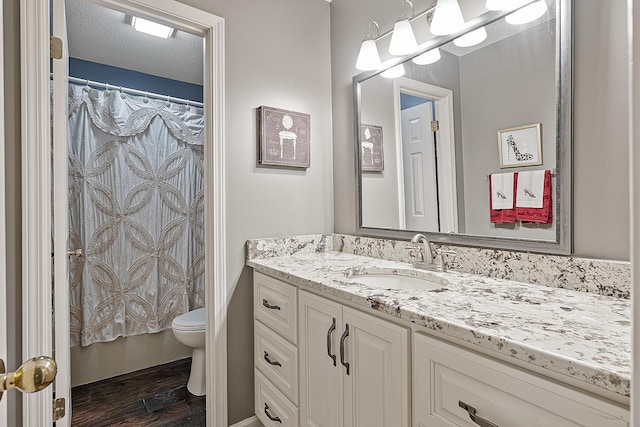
[(436, 127)]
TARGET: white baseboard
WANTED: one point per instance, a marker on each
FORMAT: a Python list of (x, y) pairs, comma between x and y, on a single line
[(249, 422)]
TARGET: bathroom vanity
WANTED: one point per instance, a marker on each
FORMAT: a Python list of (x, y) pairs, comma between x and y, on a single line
[(467, 350)]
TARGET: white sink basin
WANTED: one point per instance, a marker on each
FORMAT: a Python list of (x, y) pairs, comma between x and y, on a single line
[(394, 281)]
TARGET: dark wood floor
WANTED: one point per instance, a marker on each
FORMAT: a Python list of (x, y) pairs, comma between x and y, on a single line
[(156, 396)]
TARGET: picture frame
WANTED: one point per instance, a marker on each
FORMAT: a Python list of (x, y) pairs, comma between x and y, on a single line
[(371, 148), (283, 138), (520, 146)]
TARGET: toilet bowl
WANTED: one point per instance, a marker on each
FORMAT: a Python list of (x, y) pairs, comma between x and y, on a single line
[(189, 329)]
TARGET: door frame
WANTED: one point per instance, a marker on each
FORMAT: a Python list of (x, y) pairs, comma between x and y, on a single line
[(4, 350), (447, 187), (36, 191)]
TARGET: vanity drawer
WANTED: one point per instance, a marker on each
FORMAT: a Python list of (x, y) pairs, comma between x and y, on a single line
[(445, 375), (272, 407), (277, 359), (275, 304)]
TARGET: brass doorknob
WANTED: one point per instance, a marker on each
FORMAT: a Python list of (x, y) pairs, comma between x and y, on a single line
[(33, 375)]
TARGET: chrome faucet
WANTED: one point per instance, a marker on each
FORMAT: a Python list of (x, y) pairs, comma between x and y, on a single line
[(428, 260)]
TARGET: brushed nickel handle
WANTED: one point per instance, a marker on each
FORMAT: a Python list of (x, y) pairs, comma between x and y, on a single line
[(271, 417), (33, 375), (77, 253), (345, 334), (472, 414), (269, 361), (269, 306), (329, 334)]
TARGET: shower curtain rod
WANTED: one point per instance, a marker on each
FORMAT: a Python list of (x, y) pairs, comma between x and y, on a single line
[(135, 92)]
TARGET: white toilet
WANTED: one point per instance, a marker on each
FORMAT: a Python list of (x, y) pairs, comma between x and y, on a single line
[(189, 328)]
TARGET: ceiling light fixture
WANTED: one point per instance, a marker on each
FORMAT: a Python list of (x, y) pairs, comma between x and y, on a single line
[(497, 4), (447, 18), (528, 13), (368, 56), (472, 38), (150, 27), (429, 57), (403, 41), (393, 72)]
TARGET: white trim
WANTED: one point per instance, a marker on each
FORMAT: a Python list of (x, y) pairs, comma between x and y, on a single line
[(4, 350), (402, 214), (61, 341), (36, 189), (36, 200), (249, 422), (633, 31), (448, 193)]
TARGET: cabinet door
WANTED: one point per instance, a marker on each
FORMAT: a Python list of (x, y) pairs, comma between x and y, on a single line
[(320, 377), (377, 386)]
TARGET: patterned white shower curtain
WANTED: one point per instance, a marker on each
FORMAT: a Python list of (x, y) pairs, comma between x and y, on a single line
[(136, 209)]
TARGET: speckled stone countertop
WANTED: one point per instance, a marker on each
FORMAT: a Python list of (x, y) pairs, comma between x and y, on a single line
[(582, 335)]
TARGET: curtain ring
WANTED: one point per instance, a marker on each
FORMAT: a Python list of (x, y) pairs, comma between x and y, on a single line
[(188, 105), (146, 97), (122, 95), (86, 87), (106, 89), (168, 101)]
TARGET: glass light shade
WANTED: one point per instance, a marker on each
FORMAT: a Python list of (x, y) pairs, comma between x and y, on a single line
[(471, 38), (429, 57), (447, 18), (393, 72), (368, 57), (496, 4), (403, 41), (528, 13), (152, 28)]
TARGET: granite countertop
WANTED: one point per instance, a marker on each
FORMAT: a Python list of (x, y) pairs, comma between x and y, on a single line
[(582, 335)]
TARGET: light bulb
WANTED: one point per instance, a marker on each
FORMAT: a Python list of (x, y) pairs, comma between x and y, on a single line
[(497, 4), (528, 13), (368, 57), (393, 72), (447, 18), (429, 57), (403, 41), (472, 38)]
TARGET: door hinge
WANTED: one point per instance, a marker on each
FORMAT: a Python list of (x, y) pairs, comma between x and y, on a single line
[(55, 47), (435, 126), (59, 408)]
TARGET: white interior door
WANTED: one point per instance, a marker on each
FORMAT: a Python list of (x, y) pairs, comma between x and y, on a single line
[(420, 184), (61, 341)]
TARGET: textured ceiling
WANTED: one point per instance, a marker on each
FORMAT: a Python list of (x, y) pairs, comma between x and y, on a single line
[(101, 35)]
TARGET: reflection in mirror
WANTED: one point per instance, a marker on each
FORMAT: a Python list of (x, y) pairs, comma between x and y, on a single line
[(438, 129)]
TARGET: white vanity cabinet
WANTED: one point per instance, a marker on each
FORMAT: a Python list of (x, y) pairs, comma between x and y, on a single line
[(451, 385), (353, 367), (321, 364)]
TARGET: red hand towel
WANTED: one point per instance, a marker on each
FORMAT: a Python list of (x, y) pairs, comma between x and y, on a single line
[(543, 215), (501, 216)]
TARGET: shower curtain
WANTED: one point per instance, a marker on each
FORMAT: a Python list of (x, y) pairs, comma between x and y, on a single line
[(136, 209)]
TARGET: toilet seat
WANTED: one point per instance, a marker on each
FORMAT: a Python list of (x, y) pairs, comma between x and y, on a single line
[(191, 321)]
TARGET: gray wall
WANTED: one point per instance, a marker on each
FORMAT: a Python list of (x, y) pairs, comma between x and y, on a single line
[(505, 84), (601, 201), (272, 60)]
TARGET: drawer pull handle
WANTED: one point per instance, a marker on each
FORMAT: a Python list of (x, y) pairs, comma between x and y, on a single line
[(269, 306), (269, 361), (271, 417), (345, 334), (472, 414), (329, 333)]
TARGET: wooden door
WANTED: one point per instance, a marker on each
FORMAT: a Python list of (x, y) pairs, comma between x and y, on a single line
[(320, 369), (376, 389)]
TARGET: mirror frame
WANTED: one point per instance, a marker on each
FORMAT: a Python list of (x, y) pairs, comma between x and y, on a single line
[(564, 142)]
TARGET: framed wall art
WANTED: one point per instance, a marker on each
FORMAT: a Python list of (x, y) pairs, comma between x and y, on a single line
[(371, 149), (284, 138), (520, 146)]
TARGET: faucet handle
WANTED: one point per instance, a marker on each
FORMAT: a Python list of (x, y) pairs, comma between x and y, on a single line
[(446, 252), (419, 249)]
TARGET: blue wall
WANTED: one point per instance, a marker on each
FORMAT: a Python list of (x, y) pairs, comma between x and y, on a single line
[(115, 76), (408, 101)]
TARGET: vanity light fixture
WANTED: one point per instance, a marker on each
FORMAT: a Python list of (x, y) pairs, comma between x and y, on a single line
[(368, 57), (472, 38), (153, 28), (447, 18), (393, 72), (498, 4), (429, 57), (403, 41), (528, 13)]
